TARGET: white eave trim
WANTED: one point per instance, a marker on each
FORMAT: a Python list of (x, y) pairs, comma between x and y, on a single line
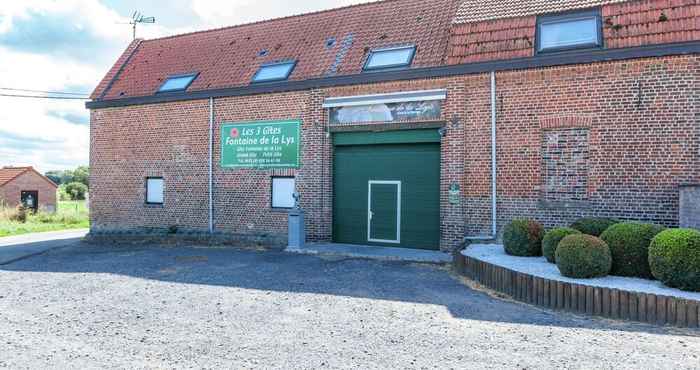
[(397, 97)]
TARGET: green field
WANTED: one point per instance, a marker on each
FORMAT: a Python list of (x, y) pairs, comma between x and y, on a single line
[(70, 215)]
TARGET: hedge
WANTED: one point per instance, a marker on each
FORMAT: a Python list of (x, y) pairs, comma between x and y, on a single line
[(523, 237), (674, 258), (583, 256), (551, 240), (629, 246), (592, 225)]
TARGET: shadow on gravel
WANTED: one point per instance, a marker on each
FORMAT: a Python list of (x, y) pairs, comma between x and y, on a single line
[(277, 271)]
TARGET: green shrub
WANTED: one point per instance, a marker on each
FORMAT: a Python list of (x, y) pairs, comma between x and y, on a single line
[(523, 238), (583, 256), (674, 258), (76, 190), (593, 225), (551, 240), (629, 246)]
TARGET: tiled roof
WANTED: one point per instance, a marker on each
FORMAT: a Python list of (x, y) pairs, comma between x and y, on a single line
[(229, 57), (481, 10), (8, 174)]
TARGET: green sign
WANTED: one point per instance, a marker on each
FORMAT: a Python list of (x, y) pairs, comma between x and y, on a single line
[(260, 144)]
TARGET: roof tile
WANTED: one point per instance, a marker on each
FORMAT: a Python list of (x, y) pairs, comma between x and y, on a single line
[(228, 57), (482, 10)]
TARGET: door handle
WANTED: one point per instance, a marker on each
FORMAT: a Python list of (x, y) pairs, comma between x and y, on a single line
[(371, 215)]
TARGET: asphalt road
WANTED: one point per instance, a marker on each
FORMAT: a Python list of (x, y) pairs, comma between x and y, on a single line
[(150, 307)]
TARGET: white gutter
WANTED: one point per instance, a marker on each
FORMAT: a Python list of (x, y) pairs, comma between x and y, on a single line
[(494, 168), (211, 162)]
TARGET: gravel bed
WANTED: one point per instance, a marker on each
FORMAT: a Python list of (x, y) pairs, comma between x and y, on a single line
[(155, 307), (538, 266)]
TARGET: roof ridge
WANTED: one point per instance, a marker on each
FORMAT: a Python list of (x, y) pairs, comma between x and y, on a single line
[(365, 3)]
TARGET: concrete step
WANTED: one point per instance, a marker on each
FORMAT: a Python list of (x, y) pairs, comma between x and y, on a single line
[(373, 252)]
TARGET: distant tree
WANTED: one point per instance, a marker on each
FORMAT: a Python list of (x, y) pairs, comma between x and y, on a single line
[(76, 190), (54, 176), (82, 175)]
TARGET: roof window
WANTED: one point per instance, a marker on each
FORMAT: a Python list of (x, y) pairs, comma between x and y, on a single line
[(390, 58), (177, 83), (577, 30), (274, 71)]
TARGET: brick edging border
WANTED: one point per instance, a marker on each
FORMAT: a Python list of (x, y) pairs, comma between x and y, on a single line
[(582, 299)]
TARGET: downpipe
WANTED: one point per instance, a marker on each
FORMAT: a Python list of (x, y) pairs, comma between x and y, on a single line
[(211, 163)]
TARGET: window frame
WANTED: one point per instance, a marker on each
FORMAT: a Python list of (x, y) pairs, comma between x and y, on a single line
[(569, 16), (146, 192), (367, 68), (192, 75), (293, 64), (272, 191)]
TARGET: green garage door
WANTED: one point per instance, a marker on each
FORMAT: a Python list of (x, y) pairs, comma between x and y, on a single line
[(387, 194)]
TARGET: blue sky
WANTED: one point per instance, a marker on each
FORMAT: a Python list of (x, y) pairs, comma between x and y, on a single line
[(68, 45)]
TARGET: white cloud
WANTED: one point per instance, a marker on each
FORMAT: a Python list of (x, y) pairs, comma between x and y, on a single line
[(40, 132), (221, 13), (58, 45)]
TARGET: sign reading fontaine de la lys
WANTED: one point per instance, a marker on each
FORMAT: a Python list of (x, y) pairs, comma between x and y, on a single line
[(272, 144)]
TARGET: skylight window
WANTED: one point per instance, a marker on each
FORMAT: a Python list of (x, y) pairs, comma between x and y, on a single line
[(390, 58), (569, 31), (274, 71), (177, 83)]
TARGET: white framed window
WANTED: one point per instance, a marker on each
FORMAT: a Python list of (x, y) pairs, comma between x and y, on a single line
[(283, 192), (390, 58), (569, 31), (155, 187)]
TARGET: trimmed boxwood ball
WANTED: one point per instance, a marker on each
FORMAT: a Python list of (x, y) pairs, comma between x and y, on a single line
[(551, 240), (629, 246), (523, 237), (674, 257), (583, 256), (593, 225)]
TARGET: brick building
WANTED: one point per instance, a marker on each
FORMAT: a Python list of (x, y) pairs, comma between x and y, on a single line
[(24, 185), (382, 117)]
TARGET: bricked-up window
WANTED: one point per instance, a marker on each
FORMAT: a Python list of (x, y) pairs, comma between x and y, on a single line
[(283, 192), (565, 157), (155, 187), (569, 31)]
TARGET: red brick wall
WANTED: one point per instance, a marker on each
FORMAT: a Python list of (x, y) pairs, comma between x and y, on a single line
[(643, 140), (129, 144), (633, 23), (30, 181), (640, 116)]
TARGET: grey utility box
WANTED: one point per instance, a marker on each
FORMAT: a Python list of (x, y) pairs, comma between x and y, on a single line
[(296, 229), (690, 206)]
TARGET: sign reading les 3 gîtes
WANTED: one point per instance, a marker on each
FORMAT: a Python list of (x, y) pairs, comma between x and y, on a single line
[(260, 144)]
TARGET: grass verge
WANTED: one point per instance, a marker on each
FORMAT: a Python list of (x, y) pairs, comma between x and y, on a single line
[(69, 215)]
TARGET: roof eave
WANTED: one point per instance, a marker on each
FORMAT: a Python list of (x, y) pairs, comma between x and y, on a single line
[(539, 61)]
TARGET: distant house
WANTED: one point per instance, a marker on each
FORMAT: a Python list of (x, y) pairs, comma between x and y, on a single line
[(27, 186)]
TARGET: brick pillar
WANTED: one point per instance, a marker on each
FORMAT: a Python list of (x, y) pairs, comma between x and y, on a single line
[(452, 214)]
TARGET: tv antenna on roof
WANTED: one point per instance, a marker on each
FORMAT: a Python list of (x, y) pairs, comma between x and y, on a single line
[(137, 18)]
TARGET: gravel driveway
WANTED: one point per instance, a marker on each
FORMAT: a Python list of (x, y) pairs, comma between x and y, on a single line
[(126, 307)]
